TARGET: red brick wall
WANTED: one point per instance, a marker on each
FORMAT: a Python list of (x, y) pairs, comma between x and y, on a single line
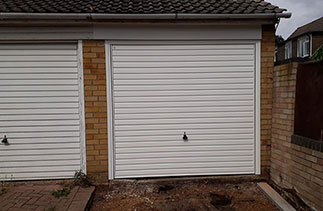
[(95, 109), (293, 166)]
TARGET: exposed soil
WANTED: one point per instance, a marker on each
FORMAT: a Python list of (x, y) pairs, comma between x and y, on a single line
[(180, 196)]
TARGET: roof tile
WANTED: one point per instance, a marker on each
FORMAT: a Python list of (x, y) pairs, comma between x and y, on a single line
[(139, 6)]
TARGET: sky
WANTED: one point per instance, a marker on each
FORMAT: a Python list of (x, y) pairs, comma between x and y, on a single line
[(303, 12)]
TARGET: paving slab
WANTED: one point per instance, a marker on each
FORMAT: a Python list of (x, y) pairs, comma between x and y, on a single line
[(38, 196)]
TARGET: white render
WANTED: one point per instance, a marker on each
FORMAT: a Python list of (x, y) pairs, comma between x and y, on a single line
[(41, 111), (135, 31), (159, 90)]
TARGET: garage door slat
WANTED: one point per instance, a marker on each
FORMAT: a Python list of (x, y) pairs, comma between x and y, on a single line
[(30, 158), (38, 52), (47, 152), (143, 150), (185, 172), (189, 98), (38, 46), (39, 94), (39, 70), (182, 109), (42, 128), (178, 131), (176, 87), (184, 154), (181, 121), (45, 140), (181, 70), (210, 159), (206, 52), (184, 82), (42, 146), (42, 134), (28, 123), (202, 104), (182, 93), (184, 126), (45, 64), (38, 105), (28, 58), (29, 169), (181, 58), (169, 47), (38, 88), (20, 76), (193, 165), (233, 62), (176, 137), (41, 163), (179, 115), (40, 99), (39, 117), (38, 82), (197, 75), (179, 143)]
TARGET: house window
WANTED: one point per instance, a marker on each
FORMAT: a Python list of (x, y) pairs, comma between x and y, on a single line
[(288, 50), (303, 46)]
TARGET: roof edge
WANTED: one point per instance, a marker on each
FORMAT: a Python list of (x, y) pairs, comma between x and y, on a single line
[(98, 16)]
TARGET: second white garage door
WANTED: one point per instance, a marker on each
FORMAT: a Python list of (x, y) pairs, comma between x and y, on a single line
[(162, 92)]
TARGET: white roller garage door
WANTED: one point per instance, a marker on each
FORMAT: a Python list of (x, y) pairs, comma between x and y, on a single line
[(40, 111), (162, 91)]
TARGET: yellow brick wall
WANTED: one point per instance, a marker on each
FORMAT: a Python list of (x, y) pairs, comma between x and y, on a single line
[(293, 166), (267, 68), (95, 109)]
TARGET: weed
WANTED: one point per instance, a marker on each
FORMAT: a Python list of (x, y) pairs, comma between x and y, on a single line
[(3, 191), (52, 209), (61, 193), (81, 179)]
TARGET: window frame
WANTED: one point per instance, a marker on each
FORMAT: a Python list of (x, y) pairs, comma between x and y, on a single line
[(288, 50), (302, 42)]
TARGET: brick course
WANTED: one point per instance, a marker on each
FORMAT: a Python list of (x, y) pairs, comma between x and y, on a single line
[(95, 109), (293, 166)]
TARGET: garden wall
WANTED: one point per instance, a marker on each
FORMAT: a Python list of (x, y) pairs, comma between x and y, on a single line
[(296, 161)]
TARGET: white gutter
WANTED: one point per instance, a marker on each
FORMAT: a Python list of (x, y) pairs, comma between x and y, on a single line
[(98, 16)]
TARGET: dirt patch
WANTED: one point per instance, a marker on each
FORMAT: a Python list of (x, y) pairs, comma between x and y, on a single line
[(180, 196)]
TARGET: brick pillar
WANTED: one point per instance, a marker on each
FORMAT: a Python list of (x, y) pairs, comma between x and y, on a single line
[(267, 68), (95, 109)]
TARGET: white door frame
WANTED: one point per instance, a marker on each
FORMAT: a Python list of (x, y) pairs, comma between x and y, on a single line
[(109, 84), (81, 106)]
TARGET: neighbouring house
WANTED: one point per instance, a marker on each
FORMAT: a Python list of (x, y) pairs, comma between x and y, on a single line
[(302, 43), (136, 89)]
